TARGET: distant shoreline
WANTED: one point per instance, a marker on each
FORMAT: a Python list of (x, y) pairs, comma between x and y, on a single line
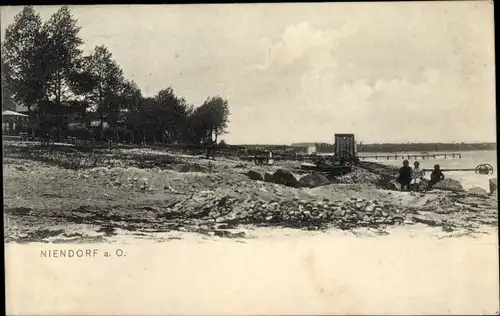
[(388, 147)]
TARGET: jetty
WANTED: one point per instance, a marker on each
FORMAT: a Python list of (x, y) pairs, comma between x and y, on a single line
[(453, 155)]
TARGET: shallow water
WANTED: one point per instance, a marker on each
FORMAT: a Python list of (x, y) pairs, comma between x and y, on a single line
[(470, 159)]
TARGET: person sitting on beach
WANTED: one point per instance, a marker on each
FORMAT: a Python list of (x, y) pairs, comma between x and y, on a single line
[(417, 175), (436, 176), (405, 175)]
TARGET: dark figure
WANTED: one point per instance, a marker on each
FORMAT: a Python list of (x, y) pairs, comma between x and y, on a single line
[(436, 176), (405, 174), (210, 148)]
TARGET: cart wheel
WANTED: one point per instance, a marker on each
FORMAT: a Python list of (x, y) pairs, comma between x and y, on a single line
[(484, 169)]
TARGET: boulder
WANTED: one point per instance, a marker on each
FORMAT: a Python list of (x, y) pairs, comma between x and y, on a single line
[(493, 185), (421, 186), (449, 185), (285, 177), (255, 175), (477, 191), (313, 180), (268, 177)]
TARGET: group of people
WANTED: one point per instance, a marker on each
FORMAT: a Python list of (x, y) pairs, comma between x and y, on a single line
[(410, 178)]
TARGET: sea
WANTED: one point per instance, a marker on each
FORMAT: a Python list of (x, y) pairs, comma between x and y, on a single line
[(469, 160)]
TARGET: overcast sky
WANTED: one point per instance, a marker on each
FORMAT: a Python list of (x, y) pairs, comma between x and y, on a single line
[(387, 72)]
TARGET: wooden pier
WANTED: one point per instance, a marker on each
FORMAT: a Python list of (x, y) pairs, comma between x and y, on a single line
[(414, 156)]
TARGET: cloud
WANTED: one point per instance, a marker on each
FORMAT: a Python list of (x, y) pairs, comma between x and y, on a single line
[(375, 80)]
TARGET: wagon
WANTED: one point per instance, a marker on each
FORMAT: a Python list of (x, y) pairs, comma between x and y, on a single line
[(263, 157)]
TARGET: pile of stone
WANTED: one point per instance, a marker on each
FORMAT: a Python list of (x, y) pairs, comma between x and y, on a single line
[(287, 178), (313, 180), (351, 213), (359, 175)]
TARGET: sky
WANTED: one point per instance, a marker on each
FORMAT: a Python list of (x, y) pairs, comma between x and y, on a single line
[(301, 72)]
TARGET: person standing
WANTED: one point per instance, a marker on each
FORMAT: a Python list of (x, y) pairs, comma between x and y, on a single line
[(405, 175)]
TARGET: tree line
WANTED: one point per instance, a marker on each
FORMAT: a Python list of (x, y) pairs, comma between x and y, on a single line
[(67, 93)]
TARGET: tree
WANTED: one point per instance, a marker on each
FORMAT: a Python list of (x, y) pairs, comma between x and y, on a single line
[(223, 145), (198, 129), (131, 98), (101, 81), (23, 53), (215, 116), (62, 55), (172, 113), (7, 98)]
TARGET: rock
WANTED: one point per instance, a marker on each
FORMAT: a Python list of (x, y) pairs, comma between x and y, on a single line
[(493, 185), (427, 221), (285, 177), (313, 180), (272, 207), (477, 191), (393, 185), (255, 175), (268, 177), (449, 185), (370, 208)]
